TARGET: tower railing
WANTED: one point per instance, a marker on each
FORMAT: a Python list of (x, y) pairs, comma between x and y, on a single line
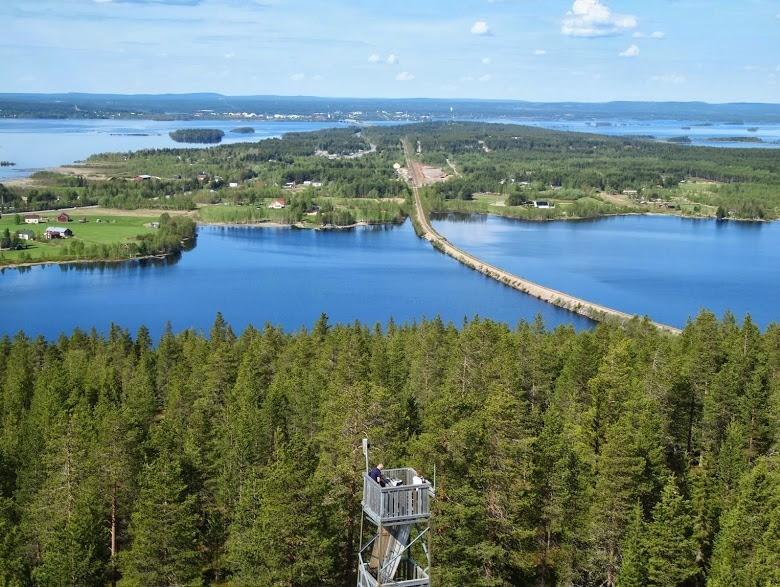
[(400, 504), (413, 575)]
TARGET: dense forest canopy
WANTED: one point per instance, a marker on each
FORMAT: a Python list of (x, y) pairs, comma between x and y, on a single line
[(197, 135), (607, 457)]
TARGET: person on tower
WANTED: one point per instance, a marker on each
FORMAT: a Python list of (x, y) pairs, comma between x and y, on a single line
[(376, 475)]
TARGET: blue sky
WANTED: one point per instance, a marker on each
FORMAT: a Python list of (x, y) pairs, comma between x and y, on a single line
[(546, 50)]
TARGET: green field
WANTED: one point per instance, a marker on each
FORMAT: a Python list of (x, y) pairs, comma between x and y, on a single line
[(351, 210), (110, 231)]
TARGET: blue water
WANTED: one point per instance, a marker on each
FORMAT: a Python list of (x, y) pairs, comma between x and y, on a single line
[(666, 267), (283, 276), (662, 130), (40, 144)]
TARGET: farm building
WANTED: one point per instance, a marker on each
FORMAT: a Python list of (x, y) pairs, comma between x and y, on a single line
[(53, 232)]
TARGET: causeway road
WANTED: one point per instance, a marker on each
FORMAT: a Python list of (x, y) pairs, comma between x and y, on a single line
[(561, 299)]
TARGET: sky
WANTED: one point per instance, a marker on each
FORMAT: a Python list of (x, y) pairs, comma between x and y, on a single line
[(538, 50)]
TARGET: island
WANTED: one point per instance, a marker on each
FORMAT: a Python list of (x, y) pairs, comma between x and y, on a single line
[(197, 135), (244, 130)]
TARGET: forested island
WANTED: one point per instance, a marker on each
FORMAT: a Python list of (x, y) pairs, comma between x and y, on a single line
[(244, 130), (616, 455), (197, 135)]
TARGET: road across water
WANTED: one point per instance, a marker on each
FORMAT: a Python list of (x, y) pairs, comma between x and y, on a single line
[(557, 298)]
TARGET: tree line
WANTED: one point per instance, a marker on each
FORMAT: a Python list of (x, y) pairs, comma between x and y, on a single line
[(614, 456)]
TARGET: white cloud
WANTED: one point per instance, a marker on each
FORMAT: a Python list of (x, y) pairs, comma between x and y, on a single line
[(296, 77), (540, 52), (669, 78), (485, 78), (632, 51), (374, 58), (318, 78), (404, 76), (486, 61), (480, 27), (392, 59), (591, 18), (653, 35)]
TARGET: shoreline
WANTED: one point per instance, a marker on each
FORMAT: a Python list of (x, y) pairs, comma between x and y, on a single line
[(81, 261), (600, 216), (297, 225)]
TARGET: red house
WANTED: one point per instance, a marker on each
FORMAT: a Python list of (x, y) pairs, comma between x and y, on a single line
[(63, 217)]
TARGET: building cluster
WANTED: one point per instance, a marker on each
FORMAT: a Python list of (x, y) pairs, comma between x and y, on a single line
[(51, 232)]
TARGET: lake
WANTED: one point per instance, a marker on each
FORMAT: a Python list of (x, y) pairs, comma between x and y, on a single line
[(41, 144), (663, 266), (253, 275), (765, 135)]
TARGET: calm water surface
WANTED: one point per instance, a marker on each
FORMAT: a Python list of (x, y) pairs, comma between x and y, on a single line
[(286, 277), (701, 134), (666, 267), (40, 144)]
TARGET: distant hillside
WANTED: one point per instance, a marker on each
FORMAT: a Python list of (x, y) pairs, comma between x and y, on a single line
[(210, 105)]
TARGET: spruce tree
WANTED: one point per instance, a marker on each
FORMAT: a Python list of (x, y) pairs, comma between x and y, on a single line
[(633, 566), (165, 542), (671, 548)]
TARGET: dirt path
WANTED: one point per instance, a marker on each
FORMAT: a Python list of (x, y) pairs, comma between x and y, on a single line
[(546, 294)]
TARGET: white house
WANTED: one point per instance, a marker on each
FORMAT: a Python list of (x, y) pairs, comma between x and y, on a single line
[(32, 219), (278, 204), (543, 204)]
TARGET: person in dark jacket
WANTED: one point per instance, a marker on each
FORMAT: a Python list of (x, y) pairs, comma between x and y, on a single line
[(376, 475)]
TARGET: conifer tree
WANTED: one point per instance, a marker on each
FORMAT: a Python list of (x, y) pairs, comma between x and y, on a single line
[(671, 548), (165, 543), (747, 550), (633, 566)]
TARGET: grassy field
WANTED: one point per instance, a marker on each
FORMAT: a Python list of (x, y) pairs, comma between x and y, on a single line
[(361, 210), (112, 229)]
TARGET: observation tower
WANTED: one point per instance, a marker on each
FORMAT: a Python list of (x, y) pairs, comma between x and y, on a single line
[(396, 518)]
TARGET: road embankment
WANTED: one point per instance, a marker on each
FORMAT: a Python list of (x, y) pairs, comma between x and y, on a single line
[(557, 298)]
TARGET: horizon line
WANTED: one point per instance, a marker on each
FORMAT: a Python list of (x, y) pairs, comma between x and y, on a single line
[(380, 98)]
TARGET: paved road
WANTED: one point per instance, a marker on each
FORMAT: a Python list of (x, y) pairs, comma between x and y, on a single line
[(549, 295)]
